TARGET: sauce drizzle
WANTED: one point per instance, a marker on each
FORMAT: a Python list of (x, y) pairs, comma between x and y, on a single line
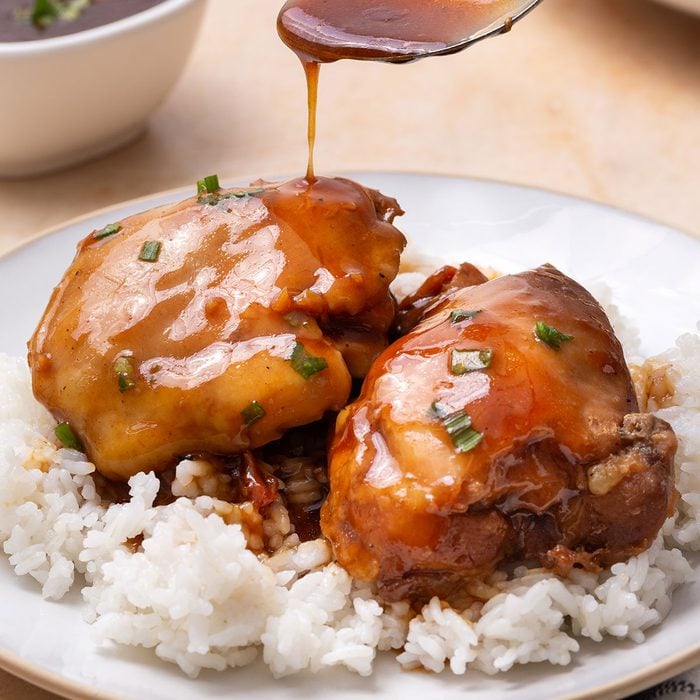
[(312, 70)]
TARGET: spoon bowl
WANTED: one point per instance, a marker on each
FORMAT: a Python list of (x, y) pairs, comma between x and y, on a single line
[(500, 26), (394, 31)]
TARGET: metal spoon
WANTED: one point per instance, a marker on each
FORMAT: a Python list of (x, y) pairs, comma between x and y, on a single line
[(500, 26)]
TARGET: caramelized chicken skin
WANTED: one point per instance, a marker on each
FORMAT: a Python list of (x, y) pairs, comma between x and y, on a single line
[(412, 307), (557, 464), (251, 319)]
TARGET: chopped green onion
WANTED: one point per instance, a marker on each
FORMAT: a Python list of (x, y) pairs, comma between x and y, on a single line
[(108, 230), (46, 12), (215, 198), (252, 413), (65, 434), (466, 440), (124, 383), (74, 8), (297, 319), (210, 199), (551, 336), (124, 369), (304, 363), (248, 193), (458, 425), (457, 422), (150, 251), (463, 361), (210, 184), (463, 315)]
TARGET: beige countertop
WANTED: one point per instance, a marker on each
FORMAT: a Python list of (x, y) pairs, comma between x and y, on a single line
[(595, 98)]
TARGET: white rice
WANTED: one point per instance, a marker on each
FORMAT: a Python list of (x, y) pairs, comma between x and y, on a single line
[(684, 415), (195, 592)]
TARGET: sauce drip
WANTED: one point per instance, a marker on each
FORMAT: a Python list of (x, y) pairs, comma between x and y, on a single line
[(312, 70)]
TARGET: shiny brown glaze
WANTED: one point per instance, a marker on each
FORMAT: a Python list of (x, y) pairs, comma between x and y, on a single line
[(412, 308), (567, 472), (211, 325), (393, 30)]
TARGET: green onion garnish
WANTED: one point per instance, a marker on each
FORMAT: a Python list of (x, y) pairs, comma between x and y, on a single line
[(46, 12), (252, 413), (458, 425), (108, 230), (465, 440), (210, 184), (551, 336), (210, 199), (65, 434), (124, 369), (463, 361), (215, 198), (248, 193), (72, 9), (463, 315), (297, 319), (304, 363), (150, 251)]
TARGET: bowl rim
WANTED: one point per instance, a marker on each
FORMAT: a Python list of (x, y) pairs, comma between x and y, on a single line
[(95, 34)]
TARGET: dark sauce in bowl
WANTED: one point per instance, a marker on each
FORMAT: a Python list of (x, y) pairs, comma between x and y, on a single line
[(16, 23)]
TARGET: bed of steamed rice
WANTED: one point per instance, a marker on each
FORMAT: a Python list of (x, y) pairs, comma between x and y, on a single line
[(196, 593)]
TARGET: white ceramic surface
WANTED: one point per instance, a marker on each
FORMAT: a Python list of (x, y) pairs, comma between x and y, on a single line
[(74, 97), (655, 275)]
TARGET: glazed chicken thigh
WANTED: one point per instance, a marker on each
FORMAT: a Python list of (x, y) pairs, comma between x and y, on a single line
[(216, 324), (503, 426)]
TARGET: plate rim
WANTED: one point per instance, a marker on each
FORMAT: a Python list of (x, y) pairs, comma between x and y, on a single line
[(66, 687), (55, 682)]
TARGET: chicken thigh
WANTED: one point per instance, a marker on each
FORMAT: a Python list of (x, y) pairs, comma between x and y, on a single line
[(216, 324), (503, 426)]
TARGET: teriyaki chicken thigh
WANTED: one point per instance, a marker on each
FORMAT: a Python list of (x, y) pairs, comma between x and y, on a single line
[(216, 324), (502, 426)]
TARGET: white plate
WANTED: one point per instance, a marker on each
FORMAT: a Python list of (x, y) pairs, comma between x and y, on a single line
[(655, 274)]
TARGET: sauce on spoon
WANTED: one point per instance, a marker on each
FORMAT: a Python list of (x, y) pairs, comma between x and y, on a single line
[(391, 30)]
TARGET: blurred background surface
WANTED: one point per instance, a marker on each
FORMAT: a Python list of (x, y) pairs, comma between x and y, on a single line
[(596, 98)]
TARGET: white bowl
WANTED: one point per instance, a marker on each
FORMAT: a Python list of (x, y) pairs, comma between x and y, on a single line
[(74, 97)]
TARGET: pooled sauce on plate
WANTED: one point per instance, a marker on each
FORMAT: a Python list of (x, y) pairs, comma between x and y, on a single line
[(16, 18)]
